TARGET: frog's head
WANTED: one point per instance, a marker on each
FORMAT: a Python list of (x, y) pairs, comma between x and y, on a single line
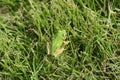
[(62, 32)]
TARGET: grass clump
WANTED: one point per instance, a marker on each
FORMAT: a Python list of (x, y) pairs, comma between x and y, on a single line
[(92, 28)]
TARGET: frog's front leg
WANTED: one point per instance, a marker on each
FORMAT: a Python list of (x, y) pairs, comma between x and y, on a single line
[(65, 43)]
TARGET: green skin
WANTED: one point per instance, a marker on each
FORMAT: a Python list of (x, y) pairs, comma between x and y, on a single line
[(58, 40)]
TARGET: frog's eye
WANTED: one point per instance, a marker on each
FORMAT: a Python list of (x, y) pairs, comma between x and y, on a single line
[(64, 34)]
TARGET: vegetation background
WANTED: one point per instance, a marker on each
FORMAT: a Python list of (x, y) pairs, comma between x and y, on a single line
[(93, 29)]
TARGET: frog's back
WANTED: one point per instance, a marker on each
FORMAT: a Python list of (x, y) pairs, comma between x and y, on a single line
[(58, 40)]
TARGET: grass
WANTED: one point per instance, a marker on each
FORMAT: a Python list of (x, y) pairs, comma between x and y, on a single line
[(93, 29)]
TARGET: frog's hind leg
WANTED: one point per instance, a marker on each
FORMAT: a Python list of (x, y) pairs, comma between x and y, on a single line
[(58, 51), (48, 48)]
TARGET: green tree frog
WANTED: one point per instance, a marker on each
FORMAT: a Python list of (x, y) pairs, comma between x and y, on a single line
[(58, 43)]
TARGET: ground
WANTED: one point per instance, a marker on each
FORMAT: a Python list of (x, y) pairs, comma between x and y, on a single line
[(92, 27)]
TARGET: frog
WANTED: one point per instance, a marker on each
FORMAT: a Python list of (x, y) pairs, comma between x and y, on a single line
[(58, 43)]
